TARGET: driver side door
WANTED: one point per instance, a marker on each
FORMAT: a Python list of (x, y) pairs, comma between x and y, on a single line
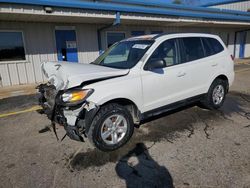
[(163, 85)]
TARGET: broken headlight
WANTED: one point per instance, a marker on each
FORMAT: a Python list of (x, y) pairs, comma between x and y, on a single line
[(76, 96)]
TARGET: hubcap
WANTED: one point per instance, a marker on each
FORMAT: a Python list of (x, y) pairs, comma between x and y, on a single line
[(114, 129), (218, 94)]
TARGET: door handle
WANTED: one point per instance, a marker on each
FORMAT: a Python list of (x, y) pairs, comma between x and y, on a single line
[(214, 65), (181, 74)]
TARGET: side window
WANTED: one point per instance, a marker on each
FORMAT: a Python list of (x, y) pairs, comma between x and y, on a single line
[(216, 45), (11, 46), (209, 50), (211, 46), (166, 51), (192, 49)]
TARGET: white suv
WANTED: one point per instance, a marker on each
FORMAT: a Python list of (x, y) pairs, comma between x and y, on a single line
[(134, 79)]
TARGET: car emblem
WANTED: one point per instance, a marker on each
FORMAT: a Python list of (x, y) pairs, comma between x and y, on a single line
[(58, 66)]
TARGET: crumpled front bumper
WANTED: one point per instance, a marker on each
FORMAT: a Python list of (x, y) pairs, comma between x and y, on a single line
[(47, 99), (68, 117)]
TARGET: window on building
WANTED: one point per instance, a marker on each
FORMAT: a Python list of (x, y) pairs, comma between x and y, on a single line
[(137, 33), (11, 46), (113, 37), (192, 48), (167, 52), (156, 32)]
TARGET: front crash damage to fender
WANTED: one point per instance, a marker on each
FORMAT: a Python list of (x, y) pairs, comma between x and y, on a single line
[(91, 110), (76, 120)]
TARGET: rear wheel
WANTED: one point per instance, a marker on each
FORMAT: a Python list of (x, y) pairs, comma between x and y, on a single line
[(215, 97), (111, 128)]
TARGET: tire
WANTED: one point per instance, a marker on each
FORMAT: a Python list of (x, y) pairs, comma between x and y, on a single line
[(113, 120), (209, 100)]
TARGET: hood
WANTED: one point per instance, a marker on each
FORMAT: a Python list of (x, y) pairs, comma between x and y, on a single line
[(65, 75)]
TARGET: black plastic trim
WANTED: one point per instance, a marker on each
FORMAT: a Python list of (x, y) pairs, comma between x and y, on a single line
[(89, 116), (170, 107)]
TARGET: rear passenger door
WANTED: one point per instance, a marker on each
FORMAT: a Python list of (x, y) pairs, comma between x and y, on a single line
[(194, 65), (215, 58)]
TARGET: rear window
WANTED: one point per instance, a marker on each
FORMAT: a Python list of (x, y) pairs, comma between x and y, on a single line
[(192, 48), (212, 46)]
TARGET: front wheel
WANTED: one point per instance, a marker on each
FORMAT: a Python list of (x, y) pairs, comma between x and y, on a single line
[(215, 97), (111, 128)]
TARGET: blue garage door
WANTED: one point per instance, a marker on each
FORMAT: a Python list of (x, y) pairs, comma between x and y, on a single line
[(66, 45), (243, 36)]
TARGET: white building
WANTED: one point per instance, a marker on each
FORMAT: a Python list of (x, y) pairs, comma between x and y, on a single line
[(33, 31), (242, 37), (241, 5)]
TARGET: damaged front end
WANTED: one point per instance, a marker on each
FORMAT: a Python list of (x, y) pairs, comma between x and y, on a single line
[(68, 108)]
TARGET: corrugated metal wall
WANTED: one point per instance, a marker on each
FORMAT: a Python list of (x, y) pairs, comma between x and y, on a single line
[(39, 39), (38, 48), (226, 34), (242, 6)]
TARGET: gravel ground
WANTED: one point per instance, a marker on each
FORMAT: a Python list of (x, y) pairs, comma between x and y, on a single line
[(190, 147)]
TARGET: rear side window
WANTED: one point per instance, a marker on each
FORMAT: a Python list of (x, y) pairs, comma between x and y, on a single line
[(192, 49), (208, 47), (216, 45), (211, 46)]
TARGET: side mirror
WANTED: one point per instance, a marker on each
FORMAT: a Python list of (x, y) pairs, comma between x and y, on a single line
[(154, 64)]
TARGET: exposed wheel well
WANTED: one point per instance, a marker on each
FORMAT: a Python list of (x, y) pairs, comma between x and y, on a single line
[(224, 78), (130, 105)]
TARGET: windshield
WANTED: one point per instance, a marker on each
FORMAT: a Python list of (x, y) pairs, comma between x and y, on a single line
[(124, 55)]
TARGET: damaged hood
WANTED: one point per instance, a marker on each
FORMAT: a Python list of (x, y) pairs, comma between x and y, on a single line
[(65, 75)]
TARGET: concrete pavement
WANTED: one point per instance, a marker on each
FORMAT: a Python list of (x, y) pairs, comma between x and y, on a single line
[(190, 147)]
